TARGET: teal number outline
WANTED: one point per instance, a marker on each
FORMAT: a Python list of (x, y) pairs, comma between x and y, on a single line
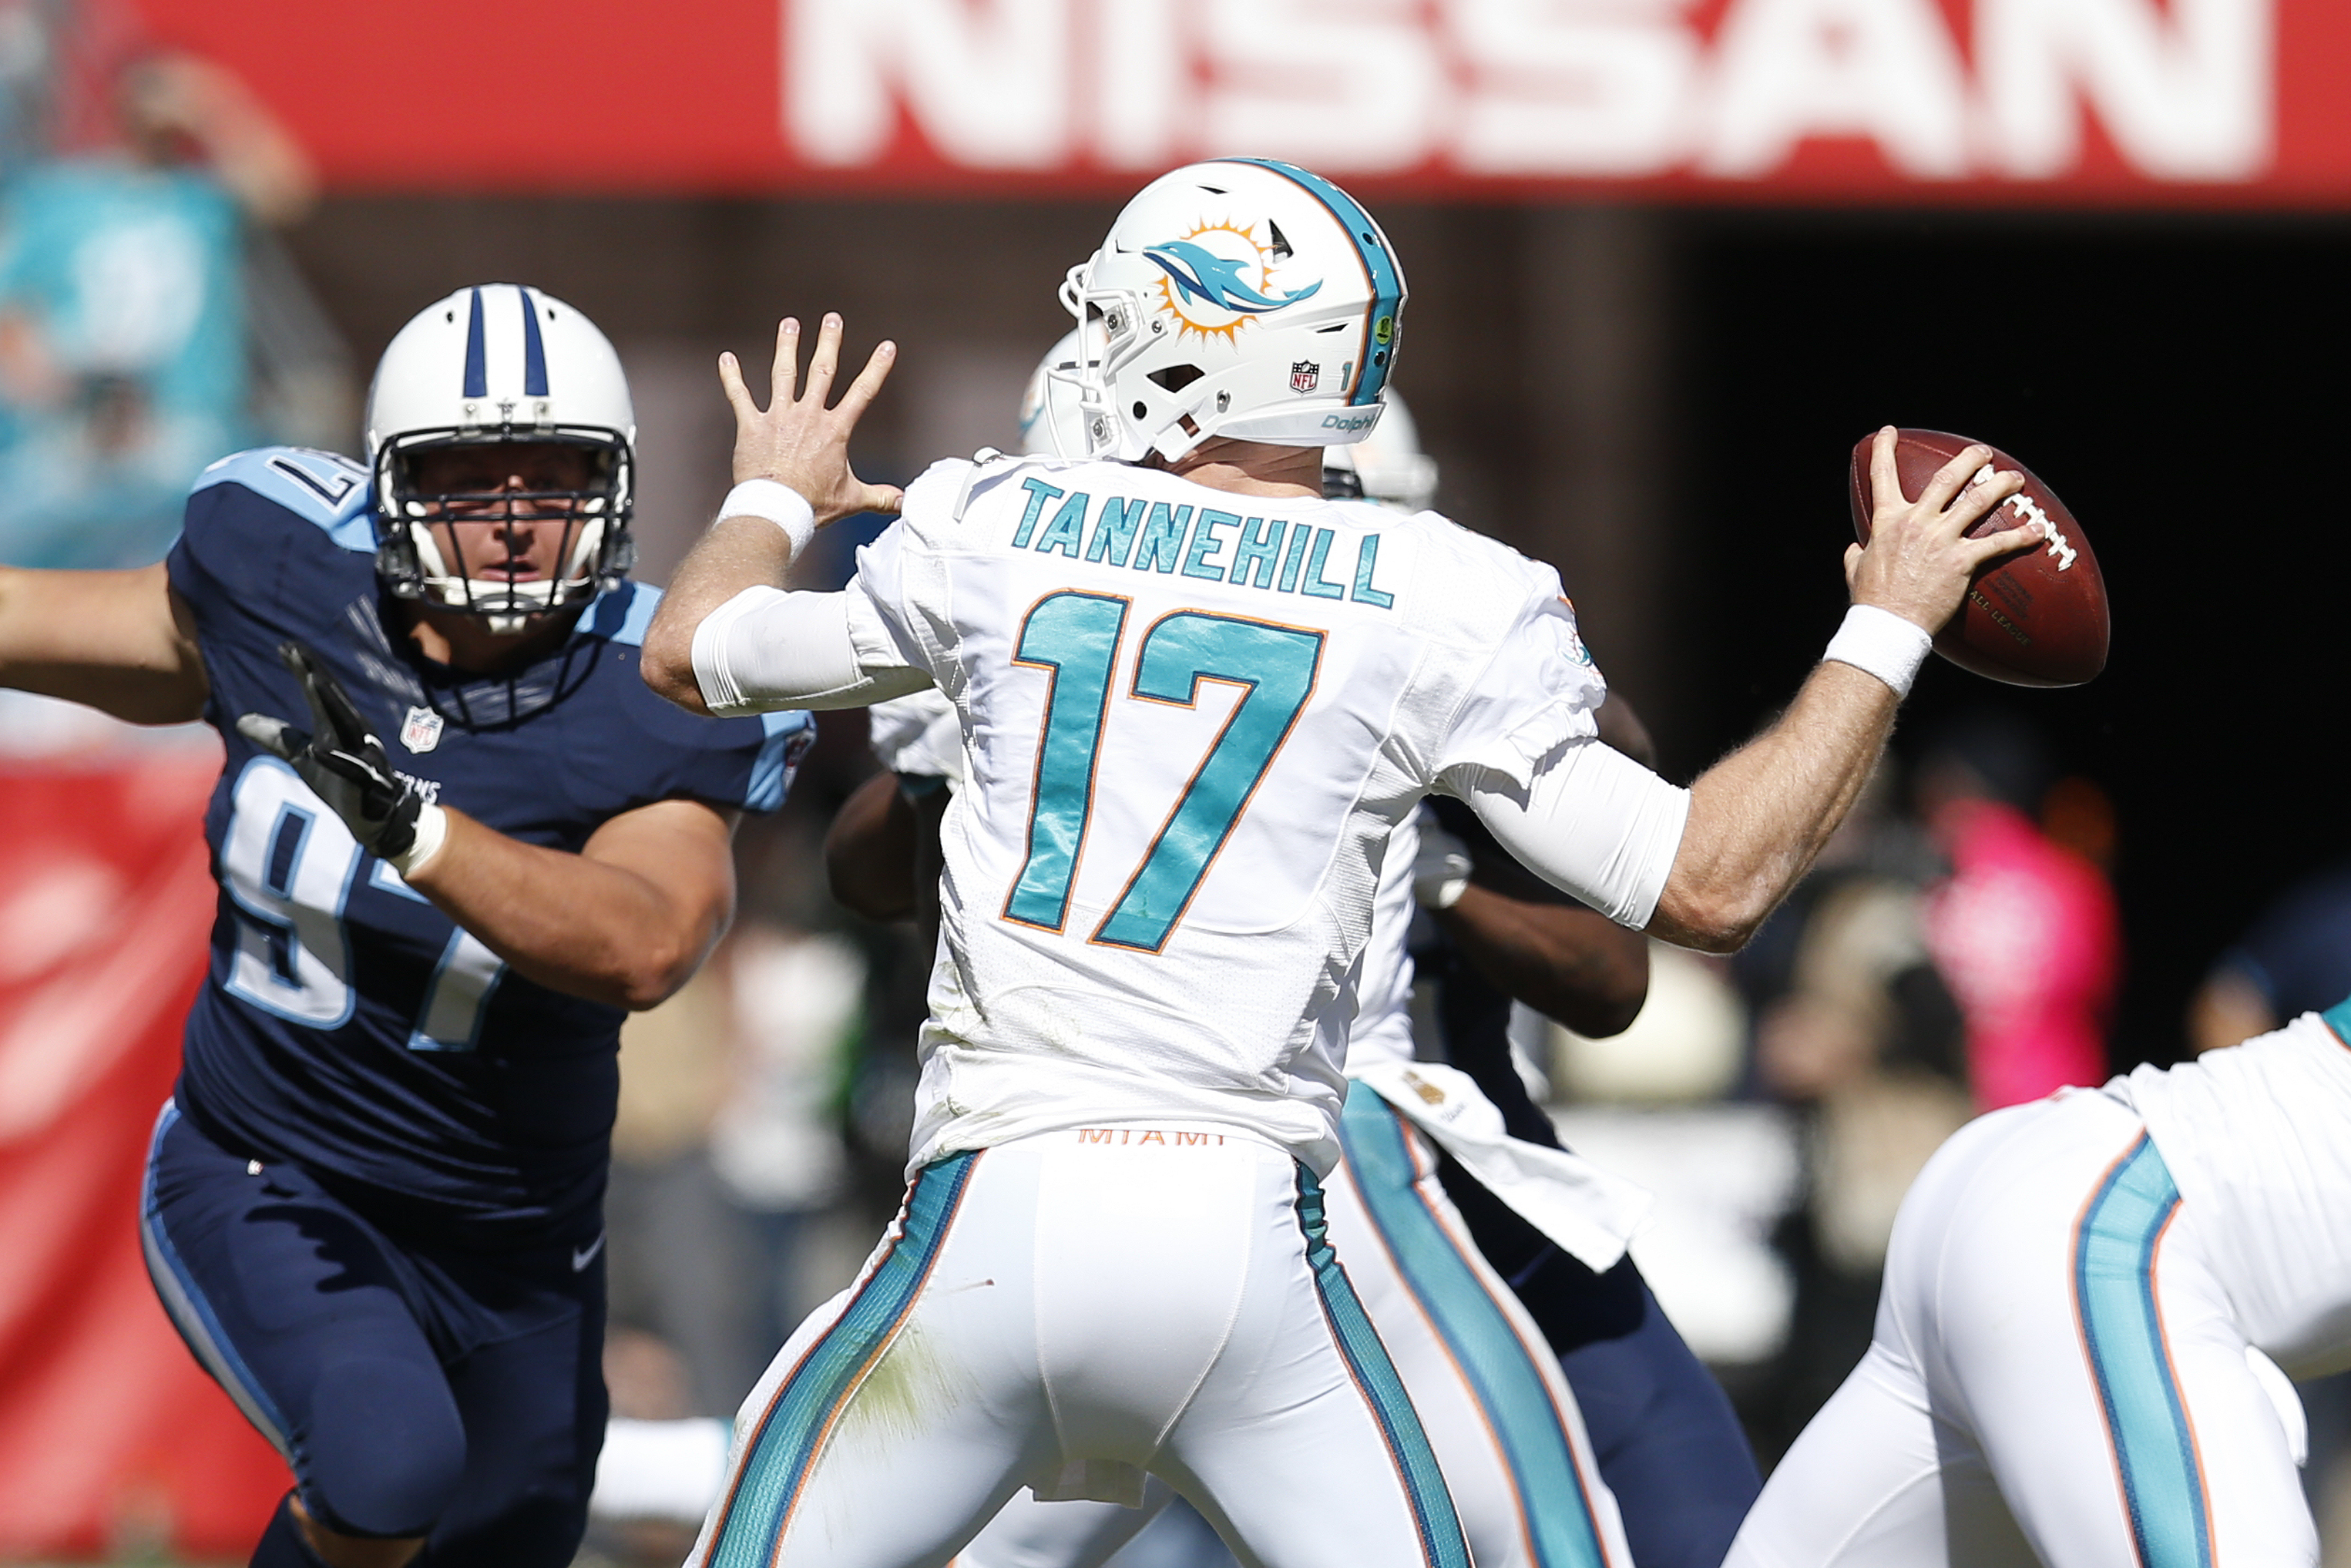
[(1059, 812), (1202, 819)]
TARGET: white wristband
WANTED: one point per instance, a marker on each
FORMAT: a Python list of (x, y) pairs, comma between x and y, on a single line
[(779, 503), (1882, 644), (431, 832)]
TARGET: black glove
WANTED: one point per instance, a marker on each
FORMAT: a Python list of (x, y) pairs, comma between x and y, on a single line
[(340, 760)]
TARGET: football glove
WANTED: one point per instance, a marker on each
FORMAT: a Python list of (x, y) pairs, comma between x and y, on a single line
[(340, 759)]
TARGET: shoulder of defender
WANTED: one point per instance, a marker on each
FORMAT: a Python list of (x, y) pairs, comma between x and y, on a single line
[(325, 490), (744, 762)]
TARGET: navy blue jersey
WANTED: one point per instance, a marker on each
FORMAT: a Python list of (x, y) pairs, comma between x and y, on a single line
[(348, 1024)]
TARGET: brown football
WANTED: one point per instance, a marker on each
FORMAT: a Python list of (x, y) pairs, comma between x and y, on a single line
[(2037, 618)]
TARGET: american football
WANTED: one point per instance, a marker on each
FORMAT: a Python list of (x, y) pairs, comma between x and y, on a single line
[(2034, 618)]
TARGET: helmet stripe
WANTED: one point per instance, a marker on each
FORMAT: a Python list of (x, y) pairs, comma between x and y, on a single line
[(1379, 269), (477, 375), (534, 353)]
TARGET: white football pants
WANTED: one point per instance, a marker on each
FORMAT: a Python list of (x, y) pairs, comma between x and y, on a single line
[(1066, 1312), (2056, 1377), (1490, 1392)]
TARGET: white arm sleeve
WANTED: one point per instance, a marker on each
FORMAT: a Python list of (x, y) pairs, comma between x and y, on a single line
[(766, 649), (1592, 822)]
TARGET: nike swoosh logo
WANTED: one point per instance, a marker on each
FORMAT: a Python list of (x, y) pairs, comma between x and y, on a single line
[(583, 1256)]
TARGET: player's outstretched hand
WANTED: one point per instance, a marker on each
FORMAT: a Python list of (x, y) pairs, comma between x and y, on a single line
[(796, 439), (1919, 559), (340, 759)]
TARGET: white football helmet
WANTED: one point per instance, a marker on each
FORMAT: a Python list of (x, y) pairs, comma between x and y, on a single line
[(1386, 467), (1051, 424), (501, 363), (1240, 297)]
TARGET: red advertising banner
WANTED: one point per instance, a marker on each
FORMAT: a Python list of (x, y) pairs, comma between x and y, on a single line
[(2115, 102), (111, 1438)]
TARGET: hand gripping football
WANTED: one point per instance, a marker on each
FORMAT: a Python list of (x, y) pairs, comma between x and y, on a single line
[(2037, 618)]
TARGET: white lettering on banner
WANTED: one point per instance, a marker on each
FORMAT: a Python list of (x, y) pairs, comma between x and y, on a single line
[(2190, 99), (1138, 101), (1590, 88), (1548, 89), (987, 81), (1355, 87), (1884, 69)]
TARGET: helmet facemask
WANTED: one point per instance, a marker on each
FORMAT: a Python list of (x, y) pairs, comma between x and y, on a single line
[(1111, 331), (421, 554)]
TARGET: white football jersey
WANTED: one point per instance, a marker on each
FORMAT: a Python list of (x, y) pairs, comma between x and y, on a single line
[(1192, 721), (921, 735), (1383, 1025), (2258, 1139)]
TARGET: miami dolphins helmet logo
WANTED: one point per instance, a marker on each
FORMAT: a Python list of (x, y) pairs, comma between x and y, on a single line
[(1205, 282)]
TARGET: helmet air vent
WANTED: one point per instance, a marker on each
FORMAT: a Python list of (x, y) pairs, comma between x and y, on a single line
[(1176, 378)]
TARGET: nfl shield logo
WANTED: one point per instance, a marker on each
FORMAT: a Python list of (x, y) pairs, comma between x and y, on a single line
[(420, 731), (1305, 375)]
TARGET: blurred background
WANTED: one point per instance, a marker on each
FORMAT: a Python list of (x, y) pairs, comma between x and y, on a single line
[(1669, 259)]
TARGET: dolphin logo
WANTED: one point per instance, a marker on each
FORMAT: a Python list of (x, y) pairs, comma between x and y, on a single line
[(1200, 272)]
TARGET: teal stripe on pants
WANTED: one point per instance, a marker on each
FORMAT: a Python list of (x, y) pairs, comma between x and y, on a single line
[(784, 1444), (1441, 1543), (2114, 1289), (1552, 1498)]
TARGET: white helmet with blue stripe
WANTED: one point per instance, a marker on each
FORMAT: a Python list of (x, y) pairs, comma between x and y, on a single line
[(501, 363), (1240, 298), (1387, 467)]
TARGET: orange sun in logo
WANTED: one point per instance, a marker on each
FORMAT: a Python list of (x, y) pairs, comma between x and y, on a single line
[(1205, 317)]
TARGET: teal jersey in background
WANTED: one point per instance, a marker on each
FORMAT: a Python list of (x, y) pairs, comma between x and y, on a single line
[(127, 282)]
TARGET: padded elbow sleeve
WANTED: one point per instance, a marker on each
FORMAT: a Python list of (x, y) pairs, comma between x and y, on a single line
[(1592, 822), (766, 649)]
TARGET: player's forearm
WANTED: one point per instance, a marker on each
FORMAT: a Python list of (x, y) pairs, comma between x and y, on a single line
[(1569, 963), (1759, 816), (117, 641), (736, 554), (572, 922), (868, 850)]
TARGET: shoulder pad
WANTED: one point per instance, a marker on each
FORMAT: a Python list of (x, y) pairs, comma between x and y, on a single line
[(322, 487), (991, 468)]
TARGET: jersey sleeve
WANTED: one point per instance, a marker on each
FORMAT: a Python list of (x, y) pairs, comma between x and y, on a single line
[(743, 763), (784, 739), (246, 521), (1539, 691), (213, 564), (733, 763), (920, 735), (903, 573)]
